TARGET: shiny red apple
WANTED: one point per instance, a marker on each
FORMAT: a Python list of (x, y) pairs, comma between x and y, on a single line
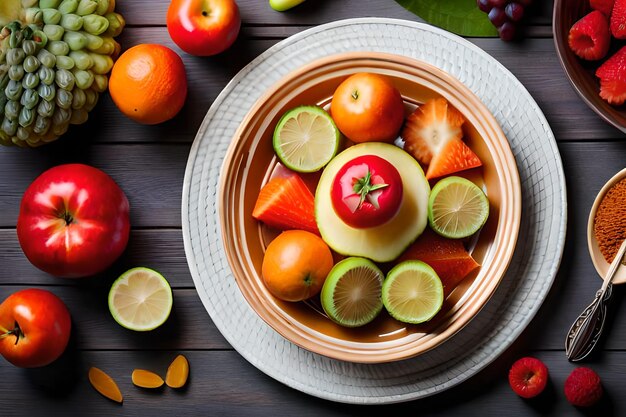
[(35, 327), (203, 27), (74, 221)]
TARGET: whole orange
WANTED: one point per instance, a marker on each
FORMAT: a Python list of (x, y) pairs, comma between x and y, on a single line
[(367, 107), (148, 83), (295, 265)]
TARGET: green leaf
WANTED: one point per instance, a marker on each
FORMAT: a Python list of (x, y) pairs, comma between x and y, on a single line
[(459, 16)]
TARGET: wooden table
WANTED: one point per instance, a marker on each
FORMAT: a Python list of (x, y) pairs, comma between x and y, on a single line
[(149, 162)]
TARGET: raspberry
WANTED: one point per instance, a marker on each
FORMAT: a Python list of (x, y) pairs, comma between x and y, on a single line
[(528, 377), (583, 387)]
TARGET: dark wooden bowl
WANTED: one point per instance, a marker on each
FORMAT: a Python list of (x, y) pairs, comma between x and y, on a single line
[(581, 73)]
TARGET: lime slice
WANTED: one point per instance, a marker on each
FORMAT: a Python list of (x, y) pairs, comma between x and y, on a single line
[(457, 208), (351, 295), (140, 299), (306, 139), (412, 292)]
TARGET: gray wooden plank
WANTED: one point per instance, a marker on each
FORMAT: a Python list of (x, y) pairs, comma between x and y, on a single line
[(150, 175), (312, 12), (160, 249), (586, 171), (189, 325), (223, 383)]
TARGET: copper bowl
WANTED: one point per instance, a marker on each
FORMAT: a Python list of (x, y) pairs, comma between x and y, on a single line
[(250, 162), (581, 73)]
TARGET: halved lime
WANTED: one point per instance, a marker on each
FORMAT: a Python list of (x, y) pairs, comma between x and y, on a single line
[(306, 139), (351, 295), (412, 292), (140, 299), (457, 208)]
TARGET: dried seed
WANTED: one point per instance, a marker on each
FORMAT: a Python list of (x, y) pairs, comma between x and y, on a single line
[(146, 379), (177, 372), (105, 385)]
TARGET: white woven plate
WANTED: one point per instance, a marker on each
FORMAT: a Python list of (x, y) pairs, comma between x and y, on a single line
[(519, 296)]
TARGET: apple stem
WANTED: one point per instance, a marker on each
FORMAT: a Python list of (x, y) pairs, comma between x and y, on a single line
[(16, 331), (68, 218)]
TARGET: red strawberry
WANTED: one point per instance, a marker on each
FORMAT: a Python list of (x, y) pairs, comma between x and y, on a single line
[(612, 76), (618, 19), (605, 6), (432, 134), (528, 377), (447, 257), (583, 387), (590, 37), (285, 202)]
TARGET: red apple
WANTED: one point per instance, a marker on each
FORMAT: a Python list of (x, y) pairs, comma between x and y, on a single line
[(73, 221), (35, 327), (203, 27)]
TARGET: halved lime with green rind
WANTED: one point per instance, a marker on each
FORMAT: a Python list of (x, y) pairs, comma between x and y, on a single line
[(351, 295), (457, 208), (412, 292), (306, 139), (140, 299)]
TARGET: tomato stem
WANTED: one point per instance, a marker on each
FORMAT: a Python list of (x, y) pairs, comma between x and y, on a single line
[(363, 186)]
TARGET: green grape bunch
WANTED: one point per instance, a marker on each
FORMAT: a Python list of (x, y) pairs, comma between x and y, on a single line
[(55, 57)]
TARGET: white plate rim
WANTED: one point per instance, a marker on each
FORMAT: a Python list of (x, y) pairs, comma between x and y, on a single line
[(372, 394)]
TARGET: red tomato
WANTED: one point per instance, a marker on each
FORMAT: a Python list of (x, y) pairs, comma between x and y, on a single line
[(35, 327), (367, 107), (366, 192), (203, 27), (74, 221)]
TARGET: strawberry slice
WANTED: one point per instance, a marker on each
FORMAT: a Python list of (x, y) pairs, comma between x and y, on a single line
[(455, 156), (447, 257), (618, 19), (285, 203), (590, 38), (432, 134), (604, 6), (612, 76)]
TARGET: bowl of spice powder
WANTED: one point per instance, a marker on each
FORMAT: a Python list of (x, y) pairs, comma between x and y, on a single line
[(606, 228)]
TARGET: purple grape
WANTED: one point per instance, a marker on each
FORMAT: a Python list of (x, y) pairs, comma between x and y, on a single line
[(498, 3), (484, 5), (497, 16), (507, 31), (525, 3), (514, 11)]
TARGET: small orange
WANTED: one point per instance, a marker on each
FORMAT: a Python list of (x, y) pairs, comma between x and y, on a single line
[(148, 83), (367, 107), (296, 264)]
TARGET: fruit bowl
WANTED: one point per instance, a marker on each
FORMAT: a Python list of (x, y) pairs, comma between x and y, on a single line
[(579, 72), (250, 162)]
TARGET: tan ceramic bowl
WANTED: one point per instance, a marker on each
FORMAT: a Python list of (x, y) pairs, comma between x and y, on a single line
[(250, 162), (602, 266), (581, 73)]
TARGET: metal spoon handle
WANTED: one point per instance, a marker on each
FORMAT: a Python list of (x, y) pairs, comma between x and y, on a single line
[(586, 330)]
